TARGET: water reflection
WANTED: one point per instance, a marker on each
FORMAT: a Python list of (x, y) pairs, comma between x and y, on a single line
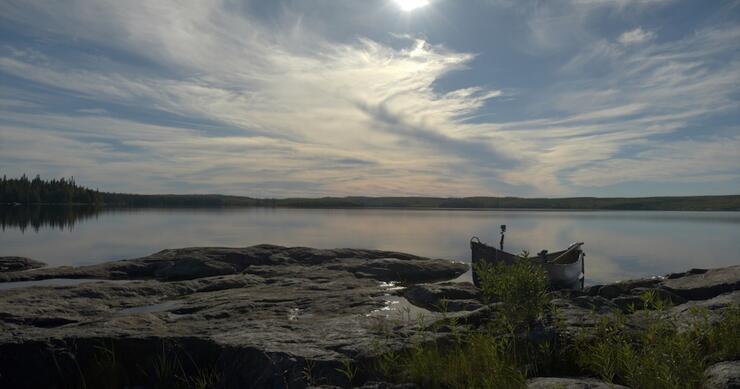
[(619, 244), (37, 217)]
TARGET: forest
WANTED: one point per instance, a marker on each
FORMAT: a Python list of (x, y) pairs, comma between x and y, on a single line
[(65, 191), (54, 191)]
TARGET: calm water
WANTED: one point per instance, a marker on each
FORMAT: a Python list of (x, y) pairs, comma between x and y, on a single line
[(619, 244)]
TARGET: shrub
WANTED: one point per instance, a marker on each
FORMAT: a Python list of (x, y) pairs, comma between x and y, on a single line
[(658, 354), (475, 361), (491, 358), (521, 288), (662, 355)]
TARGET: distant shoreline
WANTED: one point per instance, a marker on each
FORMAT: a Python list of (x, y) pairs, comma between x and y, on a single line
[(25, 191), (183, 202)]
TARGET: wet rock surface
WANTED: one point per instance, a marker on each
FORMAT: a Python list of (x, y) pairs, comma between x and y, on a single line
[(13, 264), (263, 314)]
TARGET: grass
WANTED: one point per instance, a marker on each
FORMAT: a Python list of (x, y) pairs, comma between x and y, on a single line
[(173, 369), (520, 287), (348, 370), (477, 361), (657, 355), (107, 367), (661, 355), (491, 358)]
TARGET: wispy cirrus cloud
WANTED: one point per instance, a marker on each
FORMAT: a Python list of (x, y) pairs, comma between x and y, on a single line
[(695, 161), (312, 97), (637, 115), (636, 36), (217, 97)]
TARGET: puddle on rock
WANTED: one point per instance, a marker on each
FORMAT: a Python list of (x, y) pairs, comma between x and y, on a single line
[(153, 308), (397, 307), (55, 282), (391, 286)]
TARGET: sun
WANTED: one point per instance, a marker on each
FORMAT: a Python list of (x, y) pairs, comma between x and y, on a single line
[(410, 5)]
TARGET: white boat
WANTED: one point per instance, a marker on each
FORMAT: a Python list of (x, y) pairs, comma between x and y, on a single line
[(565, 269)]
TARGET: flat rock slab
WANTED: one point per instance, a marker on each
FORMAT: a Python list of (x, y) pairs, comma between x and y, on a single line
[(713, 308), (703, 284), (709, 288), (13, 264), (445, 296), (570, 383), (723, 375), (263, 313)]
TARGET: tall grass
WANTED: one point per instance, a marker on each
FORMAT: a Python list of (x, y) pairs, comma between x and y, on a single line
[(490, 358), (657, 355), (475, 360), (521, 288), (109, 367), (662, 354)]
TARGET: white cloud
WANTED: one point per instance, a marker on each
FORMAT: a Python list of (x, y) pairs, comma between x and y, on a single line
[(622, 117), (692, 160), (277, 110), (561, 25), (305, 105), (636, 36)]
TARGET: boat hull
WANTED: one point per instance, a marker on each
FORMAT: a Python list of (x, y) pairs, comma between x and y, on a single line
[(567, 273)]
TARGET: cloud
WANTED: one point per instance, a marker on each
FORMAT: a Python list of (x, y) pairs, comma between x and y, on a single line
[(696, 161), (569, 24), (300, 103), (616, 124), (206, 96), (636, 36)]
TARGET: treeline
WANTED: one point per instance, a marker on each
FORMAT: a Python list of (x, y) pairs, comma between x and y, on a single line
[(66, 191), (136, 200), (37, 191), (684, 203), (692, 203)]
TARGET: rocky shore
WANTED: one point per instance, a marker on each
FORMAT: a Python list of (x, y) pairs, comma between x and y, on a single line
[(270, 316)]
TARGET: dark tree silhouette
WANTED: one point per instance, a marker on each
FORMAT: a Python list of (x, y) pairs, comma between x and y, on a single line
[(37, 191), (65, 191)]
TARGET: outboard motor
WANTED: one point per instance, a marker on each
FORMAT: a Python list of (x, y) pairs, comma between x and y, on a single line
[(503, 230)]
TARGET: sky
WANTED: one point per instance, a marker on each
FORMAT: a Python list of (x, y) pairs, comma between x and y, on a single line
[(307, 98)]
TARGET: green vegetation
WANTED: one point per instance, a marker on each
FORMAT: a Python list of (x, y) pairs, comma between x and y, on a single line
[(504, 353), (37, 191), (660, 355), (136, 200), (496, 357), (107, 367), (66, 191), (684, 203), (520, 287), (475, 361)]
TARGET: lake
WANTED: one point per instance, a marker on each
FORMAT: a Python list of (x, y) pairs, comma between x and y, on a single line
[(618, 244)]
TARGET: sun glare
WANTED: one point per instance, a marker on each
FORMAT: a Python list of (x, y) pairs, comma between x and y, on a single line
[(410, 5)]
